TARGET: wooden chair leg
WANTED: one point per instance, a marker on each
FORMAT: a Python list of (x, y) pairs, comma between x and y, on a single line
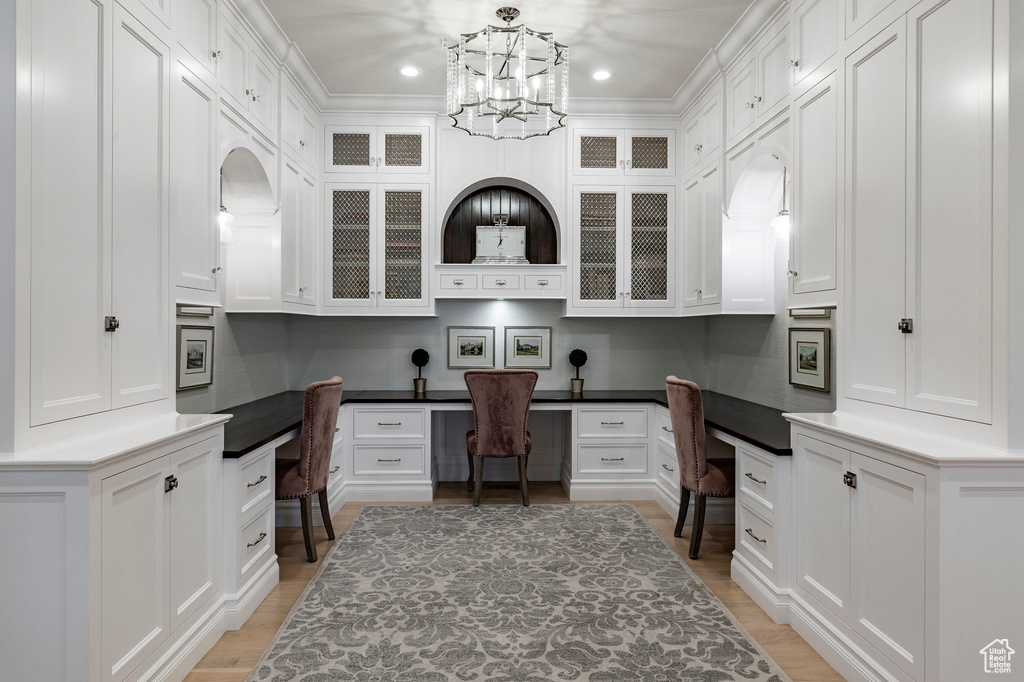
[(698, 524), (306, 509), (479, 480), (522, 480), (325, 512), (684, 506), (469, 481)]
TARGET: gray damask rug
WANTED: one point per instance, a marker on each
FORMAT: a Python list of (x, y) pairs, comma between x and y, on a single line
[(507, 593)]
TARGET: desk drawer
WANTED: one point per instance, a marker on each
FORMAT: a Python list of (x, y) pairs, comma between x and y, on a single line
[(376, 423), (626, 422), (543, 283), (755, 536), (255, 480), (389, 460), (501, 282), (612, 460), (459, 283), (255, 544), (756, 477), (665, 434), (668, 469)]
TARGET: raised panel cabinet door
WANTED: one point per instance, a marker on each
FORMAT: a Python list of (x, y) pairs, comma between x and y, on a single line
[(233, 61), (308, 240), (740, 99), (403, 150), (711, 121), (141, 84), (135, 514), (403, 249), (351, 210), (291, 220), (194, 197), (875, 207), (774, 74), (950, 217), (70, 208), (599, 219), (262, 92), (195, 24), (693, 135), (860, 12), (351, 149), (649, 265), (693, 240), (815, 197), (195, 523), (823, 523), (887, 575), (814, 36), (710, 291), (298, 126)]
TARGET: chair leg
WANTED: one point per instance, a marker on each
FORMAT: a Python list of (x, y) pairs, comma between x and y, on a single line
[(479, 480), (698, 524), (684, 506), (325, 512), (469, 481), (306, 509), (522, 480)]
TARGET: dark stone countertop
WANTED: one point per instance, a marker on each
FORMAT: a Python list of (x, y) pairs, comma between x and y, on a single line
[(258, 422)]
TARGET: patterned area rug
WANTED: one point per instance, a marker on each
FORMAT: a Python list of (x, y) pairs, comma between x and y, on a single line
[(508, 593)]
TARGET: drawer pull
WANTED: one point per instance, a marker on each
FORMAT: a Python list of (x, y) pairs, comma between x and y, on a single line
[(542, 282), (336, 469), (666, 467), (389, 461), (751, 534), (458, 282), (613, 423), (337, 430), (255, 483), (755, 480), (500, 282), (666, 429), (389, 423), (261, 538), (612, 459)]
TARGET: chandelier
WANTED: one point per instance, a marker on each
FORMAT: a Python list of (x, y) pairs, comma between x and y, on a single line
[(507, 82)]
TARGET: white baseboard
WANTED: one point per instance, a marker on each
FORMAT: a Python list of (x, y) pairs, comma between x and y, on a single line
[(767, 595), (590, 491), (180, 658), (286, 512), (718, 510), (238, 607), (360, 491)]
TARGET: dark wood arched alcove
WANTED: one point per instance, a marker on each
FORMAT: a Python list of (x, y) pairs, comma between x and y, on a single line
[(479, 207)]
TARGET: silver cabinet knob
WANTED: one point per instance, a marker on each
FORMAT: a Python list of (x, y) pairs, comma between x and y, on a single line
[(794, 63)]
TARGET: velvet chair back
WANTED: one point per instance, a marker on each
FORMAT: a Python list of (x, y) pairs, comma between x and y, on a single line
[(319, 419), (501, 403), (686, 408)]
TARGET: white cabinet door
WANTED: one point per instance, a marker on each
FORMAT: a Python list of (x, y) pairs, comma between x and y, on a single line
[(949, 218), (262, 91), (693, 136), (194, 181), (195, 24), (598, 224), (815, 196), (298, 126), (135, 515), (350, 212), (702, 229), (888, 554), (307, 232), (194, 529), (233, 69), (740, 98), (140, 347), (291, 221), (823, 523), (70, 208), (814, 36), (876, 154), (860, 12), (774, 74), (650, 247), (401, 253)]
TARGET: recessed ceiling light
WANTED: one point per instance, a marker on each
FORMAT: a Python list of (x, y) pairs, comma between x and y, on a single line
[(601, 75), (409, 71)]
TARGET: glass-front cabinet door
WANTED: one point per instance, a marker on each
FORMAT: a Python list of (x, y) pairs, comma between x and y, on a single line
[(352, 210), (599, 246), (403, 272), (649, 278)]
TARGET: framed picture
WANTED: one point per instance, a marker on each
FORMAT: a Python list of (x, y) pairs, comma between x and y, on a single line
[(528, 347), (195, 356), (470, 347), (809, 358)]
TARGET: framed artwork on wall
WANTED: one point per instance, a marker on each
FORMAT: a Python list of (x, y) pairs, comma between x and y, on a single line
[(195, 356), (470, 347), (528, 347), (809, 361)]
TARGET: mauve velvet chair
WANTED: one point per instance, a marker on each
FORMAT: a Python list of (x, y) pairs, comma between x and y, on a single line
[(697, 473), (501, 405), (307, 476)]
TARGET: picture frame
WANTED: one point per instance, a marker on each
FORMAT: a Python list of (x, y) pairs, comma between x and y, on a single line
[(195, 356), (470, 347), (528, 347), (810, 358)]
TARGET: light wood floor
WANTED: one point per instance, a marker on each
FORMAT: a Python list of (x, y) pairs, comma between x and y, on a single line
[(235, 654)]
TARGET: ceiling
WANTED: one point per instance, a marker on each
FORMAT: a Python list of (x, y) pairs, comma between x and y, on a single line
[(650, 46)]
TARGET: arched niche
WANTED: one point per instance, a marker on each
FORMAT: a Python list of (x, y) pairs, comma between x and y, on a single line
[(245, 185), (757, 194), (477, 204)]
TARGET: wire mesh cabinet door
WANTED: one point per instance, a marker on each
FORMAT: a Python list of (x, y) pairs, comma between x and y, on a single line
[(402, 268), (649, 267), (598, 242), (351, 211), (650, 152)]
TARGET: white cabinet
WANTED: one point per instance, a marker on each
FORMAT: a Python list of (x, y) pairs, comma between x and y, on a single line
[(159, 527), (702, 235), (757, 85), (920, 261), (99, 212), (611, 445), (815, 34), (702, 129), (376, 248), (299, 126), (388, 454), (625, 246), (487, 281), (624, 152), (195, 242), (298, 235), (814, 197), (377, 149), (195, 25), (248, 75)]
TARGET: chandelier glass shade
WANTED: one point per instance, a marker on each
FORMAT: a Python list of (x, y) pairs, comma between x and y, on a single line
[(507, 82)]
